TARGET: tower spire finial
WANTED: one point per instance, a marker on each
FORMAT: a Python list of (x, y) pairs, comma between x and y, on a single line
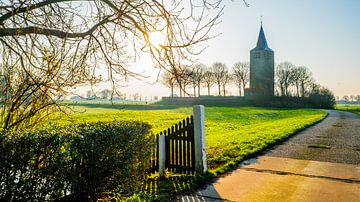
[(261, 20)]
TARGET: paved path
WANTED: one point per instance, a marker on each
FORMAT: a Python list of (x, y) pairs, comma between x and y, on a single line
[(321, 163)]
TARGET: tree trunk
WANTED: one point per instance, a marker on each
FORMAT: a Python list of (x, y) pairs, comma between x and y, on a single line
[(302, 89), (194, 91), (224, 90), (208, 87), (244, 88), (184, 91), (199, 88), (219, 89), (239, 89), (172, 91), (297, 89)]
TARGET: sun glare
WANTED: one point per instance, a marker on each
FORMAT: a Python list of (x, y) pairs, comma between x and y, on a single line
[(157, 39)]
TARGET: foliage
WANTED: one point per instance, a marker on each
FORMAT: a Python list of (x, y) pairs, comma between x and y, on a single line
[(73, 162), (322, 97)]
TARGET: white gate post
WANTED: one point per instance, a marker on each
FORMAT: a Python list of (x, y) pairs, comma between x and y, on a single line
[(199, 139), (162, 156)]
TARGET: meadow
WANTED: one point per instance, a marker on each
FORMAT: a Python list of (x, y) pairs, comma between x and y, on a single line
[(354, 108), (232, 133)]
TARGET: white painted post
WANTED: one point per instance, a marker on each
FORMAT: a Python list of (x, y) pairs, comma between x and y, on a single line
[(199, 130), (162, 156)]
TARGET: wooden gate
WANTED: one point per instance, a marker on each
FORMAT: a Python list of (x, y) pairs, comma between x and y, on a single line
[(179, 148)]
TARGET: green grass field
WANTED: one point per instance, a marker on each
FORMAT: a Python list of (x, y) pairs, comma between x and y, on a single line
[(232, 134), (354, 108)]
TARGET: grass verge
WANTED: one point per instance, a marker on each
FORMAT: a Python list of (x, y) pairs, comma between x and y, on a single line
[(354, 108)]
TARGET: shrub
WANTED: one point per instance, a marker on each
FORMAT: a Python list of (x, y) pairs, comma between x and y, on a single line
[(322, 98), (75, 162)]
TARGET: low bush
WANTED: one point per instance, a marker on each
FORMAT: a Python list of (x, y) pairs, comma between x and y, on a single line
[(322, 98), (74, 162)]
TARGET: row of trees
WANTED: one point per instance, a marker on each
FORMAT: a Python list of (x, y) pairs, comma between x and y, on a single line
[(199, 75), (291, 80), (349, 98), (294, 80), (106, 94)]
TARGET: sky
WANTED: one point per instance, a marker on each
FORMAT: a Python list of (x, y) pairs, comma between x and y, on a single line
[(323, 35)]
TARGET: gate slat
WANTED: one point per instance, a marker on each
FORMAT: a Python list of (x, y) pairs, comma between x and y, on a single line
[(186, 150), (192, 147), (172, 149), (180, 148), (177, 147)]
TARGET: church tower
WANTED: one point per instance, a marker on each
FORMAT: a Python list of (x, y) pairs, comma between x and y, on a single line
[(261, 68)]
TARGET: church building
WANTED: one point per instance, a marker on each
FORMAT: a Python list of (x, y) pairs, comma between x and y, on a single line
[(261, 69)]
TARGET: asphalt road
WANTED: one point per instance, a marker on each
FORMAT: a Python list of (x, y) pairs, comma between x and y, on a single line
[(320, 163), (336, 139)]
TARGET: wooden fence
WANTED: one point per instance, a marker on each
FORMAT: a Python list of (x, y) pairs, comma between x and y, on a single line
[(179, 148)]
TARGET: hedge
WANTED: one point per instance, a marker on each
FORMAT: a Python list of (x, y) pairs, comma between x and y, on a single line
[(73, 162)]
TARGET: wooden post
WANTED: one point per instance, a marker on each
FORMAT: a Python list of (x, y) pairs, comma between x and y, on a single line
[(199, 139), (162, 156)]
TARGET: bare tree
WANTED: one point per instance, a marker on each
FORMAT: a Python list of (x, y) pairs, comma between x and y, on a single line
[(105, 94), (182, 76), (27, 98), (241, 75), (196, 76), (298, 77), (208, 79), (303, 80), (352, 98), (53, 46), (226, 80), (169, 80), (89, 93), (285, 77), (220, 72)]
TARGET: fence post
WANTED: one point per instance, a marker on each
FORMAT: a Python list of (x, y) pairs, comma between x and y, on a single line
[(199, 139), (162, 156)]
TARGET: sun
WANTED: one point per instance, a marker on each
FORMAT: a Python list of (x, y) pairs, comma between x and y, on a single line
[(157, 39)]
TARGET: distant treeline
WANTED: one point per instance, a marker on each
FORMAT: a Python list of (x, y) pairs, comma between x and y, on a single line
[(291, 82), (319, 101)]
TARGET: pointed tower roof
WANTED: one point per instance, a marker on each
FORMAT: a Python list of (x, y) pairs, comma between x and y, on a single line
[(261, 43)]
